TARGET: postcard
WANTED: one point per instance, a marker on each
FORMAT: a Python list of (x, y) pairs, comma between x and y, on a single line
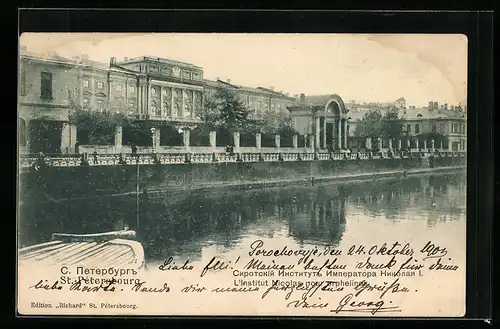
[(173, 174)]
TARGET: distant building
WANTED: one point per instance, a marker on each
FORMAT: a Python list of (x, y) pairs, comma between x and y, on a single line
[(448, 121)]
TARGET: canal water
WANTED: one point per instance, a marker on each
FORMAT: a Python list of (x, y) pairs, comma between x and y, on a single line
[(199, 225)]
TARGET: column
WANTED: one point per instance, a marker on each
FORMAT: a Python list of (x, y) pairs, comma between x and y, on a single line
[(432, 145), (380, 143), (425, 144), (258, 143), (368, 143), (316, 144), (295, 141), (311, 141), (162, 110), (193, 104), (27, 134), (157, 139), (182, 103), (417, 144), (148, 110), (408, 144), (441, 145), (277, 141), (65, 138), (118, 139), (339, 134), (324, 132), (346, 133), (390, 144), (72, 137), (399, 144), (173, 110), (334, 139), (213, 140), (236, 138), (186, 138)]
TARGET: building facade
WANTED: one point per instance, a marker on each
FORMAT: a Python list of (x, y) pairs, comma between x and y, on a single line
[(147, 89), (444, 124)]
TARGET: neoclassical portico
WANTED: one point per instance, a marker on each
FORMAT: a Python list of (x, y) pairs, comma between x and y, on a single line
[(322, 120)]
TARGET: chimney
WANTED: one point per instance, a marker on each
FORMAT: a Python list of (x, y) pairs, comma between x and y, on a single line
[(272, 88), (445, 106), (302, 97), (296, 96), (431, 104), (287, 94), (125, 59), (24, 49), (84, 57), (112, 61), (218, 79), (228, 81)]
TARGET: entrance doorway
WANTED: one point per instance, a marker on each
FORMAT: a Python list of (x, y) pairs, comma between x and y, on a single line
[(329, 136)]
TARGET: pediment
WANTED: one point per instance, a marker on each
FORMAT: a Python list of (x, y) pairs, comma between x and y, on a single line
[(101, 94), (87, 93)]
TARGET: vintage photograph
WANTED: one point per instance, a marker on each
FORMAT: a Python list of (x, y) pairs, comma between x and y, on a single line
[(242, 174)]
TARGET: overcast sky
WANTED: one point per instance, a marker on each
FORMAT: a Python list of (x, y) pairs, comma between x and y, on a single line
[(365, 68)]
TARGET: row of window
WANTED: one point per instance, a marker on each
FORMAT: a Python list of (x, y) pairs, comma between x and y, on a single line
[(100, 85), (176, 71), (458, 128), (417, 128), (266, 104)]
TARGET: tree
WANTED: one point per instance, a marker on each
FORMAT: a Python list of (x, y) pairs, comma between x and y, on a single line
[(392, 124), (275, 122), (375, 125), (370, 125), (225, 111)]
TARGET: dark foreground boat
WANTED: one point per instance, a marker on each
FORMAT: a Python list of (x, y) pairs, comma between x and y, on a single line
[(111, 249)]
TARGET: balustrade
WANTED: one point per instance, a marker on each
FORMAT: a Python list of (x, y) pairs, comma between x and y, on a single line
[(69, 160)]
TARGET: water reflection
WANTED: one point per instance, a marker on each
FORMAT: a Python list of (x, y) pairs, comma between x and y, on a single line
[(183, 224)]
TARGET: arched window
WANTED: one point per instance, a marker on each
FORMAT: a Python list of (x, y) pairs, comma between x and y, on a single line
[(166, 109), (85, 103), (22, 132)]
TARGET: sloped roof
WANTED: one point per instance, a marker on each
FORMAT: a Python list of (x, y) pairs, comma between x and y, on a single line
[(357, 113), (258, 90), (159, 60)]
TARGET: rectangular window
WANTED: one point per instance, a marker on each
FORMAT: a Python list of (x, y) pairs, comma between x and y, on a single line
[(100, 106), (46, 85), (22, 87), (417, 128), (118, 87), (131, 89), (86, 83), (100, 85), (408, 129)]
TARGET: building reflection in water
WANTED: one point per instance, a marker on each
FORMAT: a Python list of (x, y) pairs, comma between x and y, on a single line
[(184, 223)]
